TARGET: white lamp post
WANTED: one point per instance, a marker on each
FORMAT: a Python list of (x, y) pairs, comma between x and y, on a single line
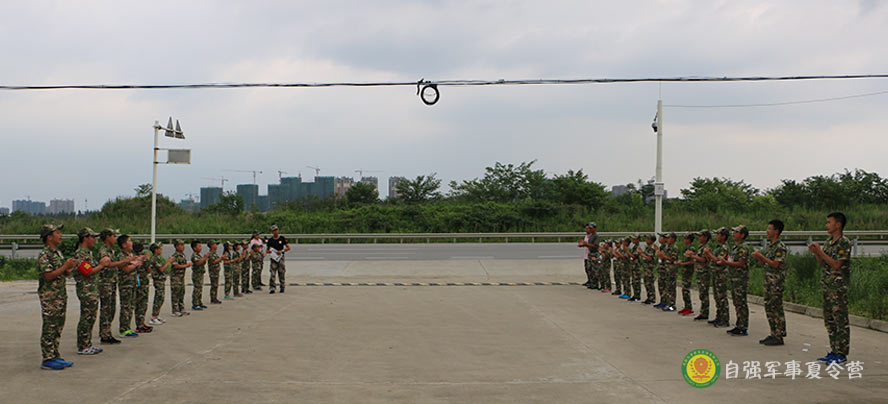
[(658, 184), (174, 156)]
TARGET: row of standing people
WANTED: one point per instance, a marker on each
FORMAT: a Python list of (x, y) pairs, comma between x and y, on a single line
[(121, 267), (721, 268)]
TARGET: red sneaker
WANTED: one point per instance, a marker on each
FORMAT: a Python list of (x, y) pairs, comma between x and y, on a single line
[(683, 311)]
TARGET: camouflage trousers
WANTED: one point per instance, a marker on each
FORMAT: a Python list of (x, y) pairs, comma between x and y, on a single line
[(280, 270), (604, 274), (141, 300), (214, 284), (687, 279), (618, 275), (739, 289), (635, 278), (649, 289), (89, 308), (245, 276), (197, 283), (159, 286), (591, 275), (835, 312), (257, 272), (625, 277), (671, 285), (127, 300), (704, 279), (232, 279), (661, 282), (177, 291), (108, 300), (53, 311), (720, 281), (775, 281)]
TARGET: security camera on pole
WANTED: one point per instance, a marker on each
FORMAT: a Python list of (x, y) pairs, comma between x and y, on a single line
[(174, 156), (658, 184)]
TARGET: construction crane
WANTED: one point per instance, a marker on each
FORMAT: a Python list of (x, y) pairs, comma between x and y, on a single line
[(361, 172), (317, 170), (281, 174), (223, 179), (191, 202), (256, 189)]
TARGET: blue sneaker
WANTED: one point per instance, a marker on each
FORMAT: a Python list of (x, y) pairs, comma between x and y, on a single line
[(659, 306), (52, 365), (129, 334), (196, 308), (624, 296), (64, 362), (828, 358), (668, 308), (838, 358)]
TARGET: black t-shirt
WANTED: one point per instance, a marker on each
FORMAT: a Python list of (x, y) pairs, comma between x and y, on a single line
[(276, 244), (593, 240)]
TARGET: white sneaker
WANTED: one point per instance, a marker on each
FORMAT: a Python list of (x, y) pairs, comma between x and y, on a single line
[(162, 321), (177, 314), (154, 321)]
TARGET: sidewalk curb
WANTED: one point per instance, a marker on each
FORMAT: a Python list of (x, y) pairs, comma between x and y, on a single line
[(857, 321)]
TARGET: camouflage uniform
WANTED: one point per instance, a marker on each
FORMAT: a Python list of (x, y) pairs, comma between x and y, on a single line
[(88, 293), (604, 270), (592, 271), (256, 261), (648, 266), (159, 278), (245, 270), (197, 280), (635, 271), (662, 276), (626, 270), (720, 281), (127, 289), (213, 270), (671, 274), (740, 284), (232, 272), (107, 292), (687, 279), (177, 283), (775, 279), (704, 279), (53, 302), (142, 291), (835, 295), (618, 269)]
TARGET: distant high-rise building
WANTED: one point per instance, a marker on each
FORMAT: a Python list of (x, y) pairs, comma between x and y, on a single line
[(61, 206), (189, 205), (29, 207), (4, 211), (341, 185), (618, 190), (393, 184), (250, 194), (210, 196)]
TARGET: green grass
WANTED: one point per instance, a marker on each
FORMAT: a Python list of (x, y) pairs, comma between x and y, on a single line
[(18, 269)]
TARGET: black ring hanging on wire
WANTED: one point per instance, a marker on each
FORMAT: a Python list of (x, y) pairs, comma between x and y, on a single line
[(432, 101)]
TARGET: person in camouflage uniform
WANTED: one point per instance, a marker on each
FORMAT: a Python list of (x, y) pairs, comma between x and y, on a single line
[(87, 288), (835, 258), (659, 247), (591, 258), (604, 267), (245, 268), (738, 267), (687, 274), (635, 268), (126, 282), (671, 255), (157, 267), (214, 264), (197, 276), (140, 300), (618, 267), (228, 252), (177, 280), (720, 277), (647, 257), (53, 270), (704, 274), (773, 259), (108, 283), (256, 245)]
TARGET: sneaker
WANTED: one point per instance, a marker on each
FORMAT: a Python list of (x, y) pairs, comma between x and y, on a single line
[(701, 318), (129, 334), (605, 290), (282, 290), (766, 339), (659, 306), (774, 341), (89, 351), (203, 306), (52, 365), (144, 329), (110, 340), (154, 322), (713, 321), (616, 293), (624, 296), (828, 358), (668, 308), (248, 291), (216, 302), (687, 311), (271, 291), (196, 308), (839, 359), (721, 324), (634, 299), (683, 311), (648, 301), (261, 284), (239, 295), (186, 313), (228, 298), (588, 284), (64, 362), (177, 314), (161, 319), (258, 288), (738, 332)]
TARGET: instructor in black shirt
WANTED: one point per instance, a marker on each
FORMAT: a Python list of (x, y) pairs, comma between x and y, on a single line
[(277, 246)]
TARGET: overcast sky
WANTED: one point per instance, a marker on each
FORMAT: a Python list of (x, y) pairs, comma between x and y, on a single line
[(79, 144)]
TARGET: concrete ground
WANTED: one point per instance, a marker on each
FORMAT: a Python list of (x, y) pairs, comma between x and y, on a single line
[(422, 344)]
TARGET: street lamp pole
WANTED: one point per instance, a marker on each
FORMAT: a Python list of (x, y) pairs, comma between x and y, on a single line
[(658, 184), (174, 156), (157, 128)]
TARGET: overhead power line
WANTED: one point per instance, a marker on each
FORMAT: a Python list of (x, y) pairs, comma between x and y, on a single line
[(773, 104)]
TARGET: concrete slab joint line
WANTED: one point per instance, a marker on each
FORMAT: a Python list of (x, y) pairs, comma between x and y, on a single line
[(435, 284), (809, 311)]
